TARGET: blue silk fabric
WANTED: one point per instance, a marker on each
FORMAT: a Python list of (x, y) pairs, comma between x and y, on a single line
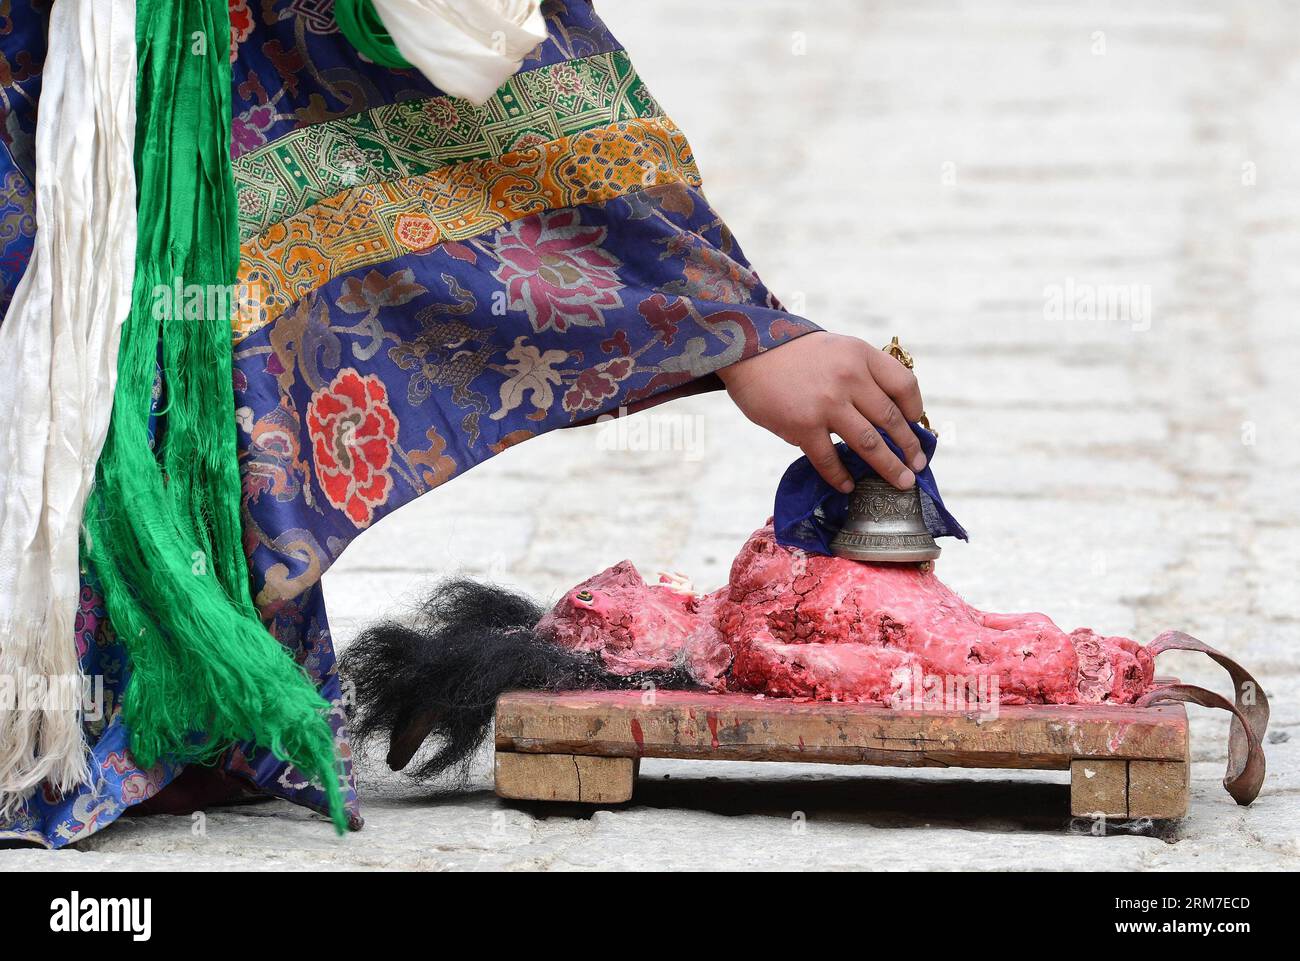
[(384, 382)]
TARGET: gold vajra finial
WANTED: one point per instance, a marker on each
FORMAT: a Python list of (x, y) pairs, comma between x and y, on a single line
[(896, 351)]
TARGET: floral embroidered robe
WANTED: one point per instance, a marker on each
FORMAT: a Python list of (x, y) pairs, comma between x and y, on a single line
[(424, 283)]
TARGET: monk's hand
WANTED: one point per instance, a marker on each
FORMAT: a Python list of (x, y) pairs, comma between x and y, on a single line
[(823, 383)]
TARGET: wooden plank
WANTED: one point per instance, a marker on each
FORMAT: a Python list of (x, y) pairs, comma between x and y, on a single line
[(1099, 786), (1158, 789), (741, 727), (565, 777)]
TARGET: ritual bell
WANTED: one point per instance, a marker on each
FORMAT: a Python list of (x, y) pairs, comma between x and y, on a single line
[(884, 524)]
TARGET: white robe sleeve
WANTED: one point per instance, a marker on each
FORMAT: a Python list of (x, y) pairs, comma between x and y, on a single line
[(466, 48)]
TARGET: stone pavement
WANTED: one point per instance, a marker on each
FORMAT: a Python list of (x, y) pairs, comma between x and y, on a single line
[(1085, 224)]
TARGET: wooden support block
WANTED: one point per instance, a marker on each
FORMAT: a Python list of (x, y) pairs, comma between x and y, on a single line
[(1098, 786), (565, 777), (1158, 789), (1129, 789)]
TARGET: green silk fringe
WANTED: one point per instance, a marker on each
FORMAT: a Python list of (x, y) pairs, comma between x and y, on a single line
[(361, 24), (163, 530)]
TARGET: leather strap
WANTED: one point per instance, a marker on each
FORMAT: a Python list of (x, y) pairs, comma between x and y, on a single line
[(1245, 772)]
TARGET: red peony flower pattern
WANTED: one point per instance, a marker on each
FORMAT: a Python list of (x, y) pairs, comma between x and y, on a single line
[(241, 25), (352, 430)]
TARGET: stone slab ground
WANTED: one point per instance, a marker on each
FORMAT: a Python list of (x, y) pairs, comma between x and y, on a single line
[(945, 172)]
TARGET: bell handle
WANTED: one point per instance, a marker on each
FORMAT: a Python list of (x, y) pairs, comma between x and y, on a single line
[(895, 350)]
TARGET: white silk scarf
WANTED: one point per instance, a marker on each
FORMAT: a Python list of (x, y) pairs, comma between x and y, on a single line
[(58, 348), (467, 48)]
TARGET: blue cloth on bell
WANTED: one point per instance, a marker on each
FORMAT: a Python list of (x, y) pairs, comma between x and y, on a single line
[(809, 512)]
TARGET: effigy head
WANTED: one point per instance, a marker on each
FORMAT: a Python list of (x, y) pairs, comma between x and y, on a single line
[(635, 626), (597, 613)]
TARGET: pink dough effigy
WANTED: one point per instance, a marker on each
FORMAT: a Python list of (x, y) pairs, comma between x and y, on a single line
[(790, 624)]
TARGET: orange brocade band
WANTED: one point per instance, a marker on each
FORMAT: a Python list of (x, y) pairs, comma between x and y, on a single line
[(375, 223)]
